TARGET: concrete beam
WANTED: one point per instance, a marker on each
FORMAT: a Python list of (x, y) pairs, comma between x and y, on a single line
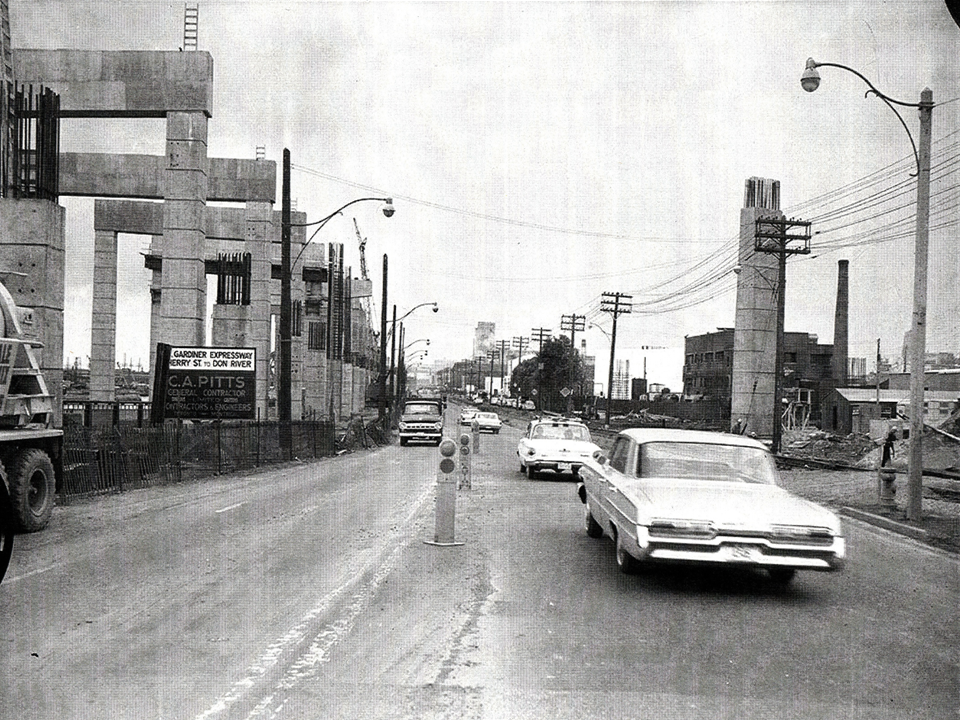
[(142, 176), (120, 84)]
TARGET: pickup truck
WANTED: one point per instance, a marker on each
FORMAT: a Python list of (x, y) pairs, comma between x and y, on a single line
[(421, 420)]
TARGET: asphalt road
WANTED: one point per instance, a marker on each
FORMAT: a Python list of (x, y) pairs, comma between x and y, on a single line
[(309, 592)]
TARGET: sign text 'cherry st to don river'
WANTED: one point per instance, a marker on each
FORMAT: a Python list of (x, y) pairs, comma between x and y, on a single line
[(204, 383)]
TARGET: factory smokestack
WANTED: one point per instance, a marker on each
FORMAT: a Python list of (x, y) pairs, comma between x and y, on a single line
[(840, 320)]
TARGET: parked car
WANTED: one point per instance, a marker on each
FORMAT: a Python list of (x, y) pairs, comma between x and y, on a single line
[(556, 444), (528, 405), (687, 496), (467, 415), (489, 422)]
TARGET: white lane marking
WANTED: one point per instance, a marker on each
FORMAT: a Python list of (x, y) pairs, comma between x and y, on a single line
[(8, 580), (228, 508), (297, 636)]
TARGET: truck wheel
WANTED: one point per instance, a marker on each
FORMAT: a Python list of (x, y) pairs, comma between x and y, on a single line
[(6, 530), (33, 488)]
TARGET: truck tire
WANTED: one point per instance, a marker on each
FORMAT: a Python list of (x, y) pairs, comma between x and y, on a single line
[(7, 528), (33, 488)]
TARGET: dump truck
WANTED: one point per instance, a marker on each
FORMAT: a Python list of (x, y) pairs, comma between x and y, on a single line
[(31, 449)]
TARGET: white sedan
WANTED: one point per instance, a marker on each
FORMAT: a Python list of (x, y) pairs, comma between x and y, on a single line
[(488, 422), (555, 444), (685, 496)]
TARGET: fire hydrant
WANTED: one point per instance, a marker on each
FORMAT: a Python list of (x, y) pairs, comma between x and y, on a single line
[(887, 486)]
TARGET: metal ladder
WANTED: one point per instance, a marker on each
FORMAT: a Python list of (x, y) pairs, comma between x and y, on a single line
[(191, 24)]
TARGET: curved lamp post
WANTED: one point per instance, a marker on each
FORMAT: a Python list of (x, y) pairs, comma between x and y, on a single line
[(285, 370), (393, 345), (810, 81)]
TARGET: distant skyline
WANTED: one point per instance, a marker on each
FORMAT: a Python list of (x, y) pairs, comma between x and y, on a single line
[(540, 154)]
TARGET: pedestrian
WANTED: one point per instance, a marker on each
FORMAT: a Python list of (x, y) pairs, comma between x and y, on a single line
[(888, 442), (739, 427)]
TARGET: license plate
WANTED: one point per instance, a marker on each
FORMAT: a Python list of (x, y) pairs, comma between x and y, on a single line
[(564, 467), (741, 553)]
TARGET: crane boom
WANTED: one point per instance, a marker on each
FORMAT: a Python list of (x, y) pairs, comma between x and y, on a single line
[(363, 255)]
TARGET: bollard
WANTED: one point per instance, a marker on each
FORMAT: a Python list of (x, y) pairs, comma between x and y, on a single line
[(446, 504), (465, 462), (887, 486), (475, 429)]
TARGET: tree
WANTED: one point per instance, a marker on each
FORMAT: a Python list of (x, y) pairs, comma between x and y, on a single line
[(562, 368)]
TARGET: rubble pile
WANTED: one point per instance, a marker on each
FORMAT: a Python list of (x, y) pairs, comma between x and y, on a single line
[(844, 450)]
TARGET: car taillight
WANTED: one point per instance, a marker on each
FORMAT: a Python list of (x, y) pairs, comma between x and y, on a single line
[(689, 529)]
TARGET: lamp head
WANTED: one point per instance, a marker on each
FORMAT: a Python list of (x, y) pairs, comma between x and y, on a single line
[(810, 80), (737, 269), (388, 208), (435, 308)]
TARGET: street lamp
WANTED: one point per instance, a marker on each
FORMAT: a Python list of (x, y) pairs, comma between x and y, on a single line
[(285, 371), (393, 346), (414, 342), (810, 81)]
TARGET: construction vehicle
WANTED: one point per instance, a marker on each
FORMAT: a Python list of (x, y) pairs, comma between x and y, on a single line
[(31, 449)]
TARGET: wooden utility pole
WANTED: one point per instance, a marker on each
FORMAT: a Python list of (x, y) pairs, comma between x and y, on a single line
[(540, 334), (285, 364), (773, 235), (572, 323), (382, 405), (617, 304)]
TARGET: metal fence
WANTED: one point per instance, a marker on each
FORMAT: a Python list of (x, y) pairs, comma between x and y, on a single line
[(108, 457)]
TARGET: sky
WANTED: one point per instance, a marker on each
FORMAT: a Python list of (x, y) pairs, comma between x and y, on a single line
[(541, 154)]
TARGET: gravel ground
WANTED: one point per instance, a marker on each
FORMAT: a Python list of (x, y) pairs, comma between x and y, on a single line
[(857, 489)]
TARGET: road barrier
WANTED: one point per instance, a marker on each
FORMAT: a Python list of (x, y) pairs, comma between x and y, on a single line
[(446, 503)]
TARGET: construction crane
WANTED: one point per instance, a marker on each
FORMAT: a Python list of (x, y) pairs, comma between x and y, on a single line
[(363, 255)]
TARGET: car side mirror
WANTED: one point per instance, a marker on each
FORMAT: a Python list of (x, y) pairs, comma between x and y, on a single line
[(600, 458)]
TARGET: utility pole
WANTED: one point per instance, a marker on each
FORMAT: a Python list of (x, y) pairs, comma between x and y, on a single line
[(492, 355), (540, 334), (572, 323), (503, 344), (617, 304), (382, 410), (773, 235), (285, 365)]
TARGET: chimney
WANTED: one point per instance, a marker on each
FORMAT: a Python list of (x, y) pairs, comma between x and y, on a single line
[(840, 320)]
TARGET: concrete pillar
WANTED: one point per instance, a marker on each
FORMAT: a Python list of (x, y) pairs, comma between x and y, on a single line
[(755, 326), (183, 296), (32, 253), (103, 324)]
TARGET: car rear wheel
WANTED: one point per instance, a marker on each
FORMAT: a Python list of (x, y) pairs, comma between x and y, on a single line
[(591, 525), (782, 576), (625, 561)]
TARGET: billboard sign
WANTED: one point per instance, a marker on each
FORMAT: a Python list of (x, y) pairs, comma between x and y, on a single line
[(204, 383)]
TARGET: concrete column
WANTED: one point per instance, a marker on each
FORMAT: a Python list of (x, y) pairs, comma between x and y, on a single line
[(32, 252), (755, 325), (183, 297), (103, 324)]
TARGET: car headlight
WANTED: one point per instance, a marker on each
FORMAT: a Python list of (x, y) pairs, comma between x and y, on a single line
[(800, 535), (531, 451), (438, 425), (680, 528)]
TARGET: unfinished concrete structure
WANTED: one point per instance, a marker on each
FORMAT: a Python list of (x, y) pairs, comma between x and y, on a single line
[(190, 238), (755, 325)]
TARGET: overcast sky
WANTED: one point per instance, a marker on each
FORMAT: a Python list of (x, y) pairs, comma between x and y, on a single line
[(541, 154)]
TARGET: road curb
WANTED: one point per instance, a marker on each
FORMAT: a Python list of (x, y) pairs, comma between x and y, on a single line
[(885, 523)]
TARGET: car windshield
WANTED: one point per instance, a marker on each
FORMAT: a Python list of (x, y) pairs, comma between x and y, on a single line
[(420, 409), (707, 461), (561, 432), (487, 416)]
